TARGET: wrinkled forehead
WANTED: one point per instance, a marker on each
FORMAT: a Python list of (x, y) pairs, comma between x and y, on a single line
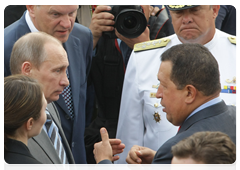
[(64, 9), (55, 51)]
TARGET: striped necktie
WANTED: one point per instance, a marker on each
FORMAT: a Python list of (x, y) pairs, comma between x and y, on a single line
[(67, 96), (53, 134)]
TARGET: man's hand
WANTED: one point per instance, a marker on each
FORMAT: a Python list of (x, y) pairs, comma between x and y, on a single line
[(153, 10), (140, 155), (131, 41), (101, 21), (117, 147), (107, 147)]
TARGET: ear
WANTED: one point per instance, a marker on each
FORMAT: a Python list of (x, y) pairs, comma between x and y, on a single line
[(26, 68), (31, 10), (191, 92), (29, 124), (215, 10)]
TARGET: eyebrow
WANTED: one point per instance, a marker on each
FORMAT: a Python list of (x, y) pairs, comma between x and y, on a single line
[(55, 11), (60, 67)]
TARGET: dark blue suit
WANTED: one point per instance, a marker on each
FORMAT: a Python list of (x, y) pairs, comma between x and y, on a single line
[(79, 51)]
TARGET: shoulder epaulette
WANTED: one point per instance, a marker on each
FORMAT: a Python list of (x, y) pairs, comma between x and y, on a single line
[(232, 39), (151, 44)]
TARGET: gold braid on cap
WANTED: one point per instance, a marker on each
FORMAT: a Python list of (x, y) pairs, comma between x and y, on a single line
[(178, 6)]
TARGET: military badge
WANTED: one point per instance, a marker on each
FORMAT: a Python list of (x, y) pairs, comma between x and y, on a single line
[(229, 89), (152, 95), (232, 40), (155, 86), (155, 104), (231, 81), (157, 117)]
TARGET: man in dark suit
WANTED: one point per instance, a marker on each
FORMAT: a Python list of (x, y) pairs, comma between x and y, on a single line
[(58, 21), (189, 90)]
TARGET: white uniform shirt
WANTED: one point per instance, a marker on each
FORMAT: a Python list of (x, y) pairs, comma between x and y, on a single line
[(136, 124)]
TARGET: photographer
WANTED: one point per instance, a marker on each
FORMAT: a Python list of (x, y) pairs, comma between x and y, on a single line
[(110, 62)]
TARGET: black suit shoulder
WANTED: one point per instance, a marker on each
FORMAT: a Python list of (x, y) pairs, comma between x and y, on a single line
[(16, 158), (18, 153)]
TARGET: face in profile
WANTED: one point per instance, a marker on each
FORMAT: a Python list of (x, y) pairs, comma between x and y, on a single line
[(172, 99)]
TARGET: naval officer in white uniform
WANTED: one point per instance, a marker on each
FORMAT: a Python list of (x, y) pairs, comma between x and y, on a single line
[(141, 119)]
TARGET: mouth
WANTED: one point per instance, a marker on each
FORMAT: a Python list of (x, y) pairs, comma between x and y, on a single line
[(163, 107), (62, 32), (59, 91), (187, 29)]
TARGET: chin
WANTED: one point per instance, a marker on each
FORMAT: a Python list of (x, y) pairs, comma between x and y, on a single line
[(169, 119), (189, 38), (63, 38), (53, 99)]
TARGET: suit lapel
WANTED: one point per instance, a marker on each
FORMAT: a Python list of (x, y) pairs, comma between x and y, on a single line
[(61, 103), (44, 142), (72, 48), (203, 114), (53, 111), (57, 121)]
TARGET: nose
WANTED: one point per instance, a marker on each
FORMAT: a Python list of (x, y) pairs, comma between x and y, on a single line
[(66, 22), (159, 93), (64, 81), (187, 18)]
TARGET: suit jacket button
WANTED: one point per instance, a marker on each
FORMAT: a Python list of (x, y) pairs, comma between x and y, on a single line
[(67, 117), (72, 144)]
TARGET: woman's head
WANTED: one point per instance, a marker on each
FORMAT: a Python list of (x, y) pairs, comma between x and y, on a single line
[(24, 105)]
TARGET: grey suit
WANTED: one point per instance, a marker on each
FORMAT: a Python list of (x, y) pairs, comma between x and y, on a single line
[(42, 148), (218, 117)]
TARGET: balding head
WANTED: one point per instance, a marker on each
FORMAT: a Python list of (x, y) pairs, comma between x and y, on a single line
[(30, 47)]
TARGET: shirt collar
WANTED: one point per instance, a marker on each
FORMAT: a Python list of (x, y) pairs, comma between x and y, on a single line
[(30, 23), (205, 105)]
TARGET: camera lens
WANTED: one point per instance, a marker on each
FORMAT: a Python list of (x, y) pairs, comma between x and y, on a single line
[(130, 22)]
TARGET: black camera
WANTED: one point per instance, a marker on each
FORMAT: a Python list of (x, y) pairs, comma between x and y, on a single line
[(130, 21)]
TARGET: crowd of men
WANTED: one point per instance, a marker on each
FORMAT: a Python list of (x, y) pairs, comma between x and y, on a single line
[(127, 100)]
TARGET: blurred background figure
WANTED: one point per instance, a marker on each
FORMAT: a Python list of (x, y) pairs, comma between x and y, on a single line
[(205, 148), (13, 13), (226, 19)]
